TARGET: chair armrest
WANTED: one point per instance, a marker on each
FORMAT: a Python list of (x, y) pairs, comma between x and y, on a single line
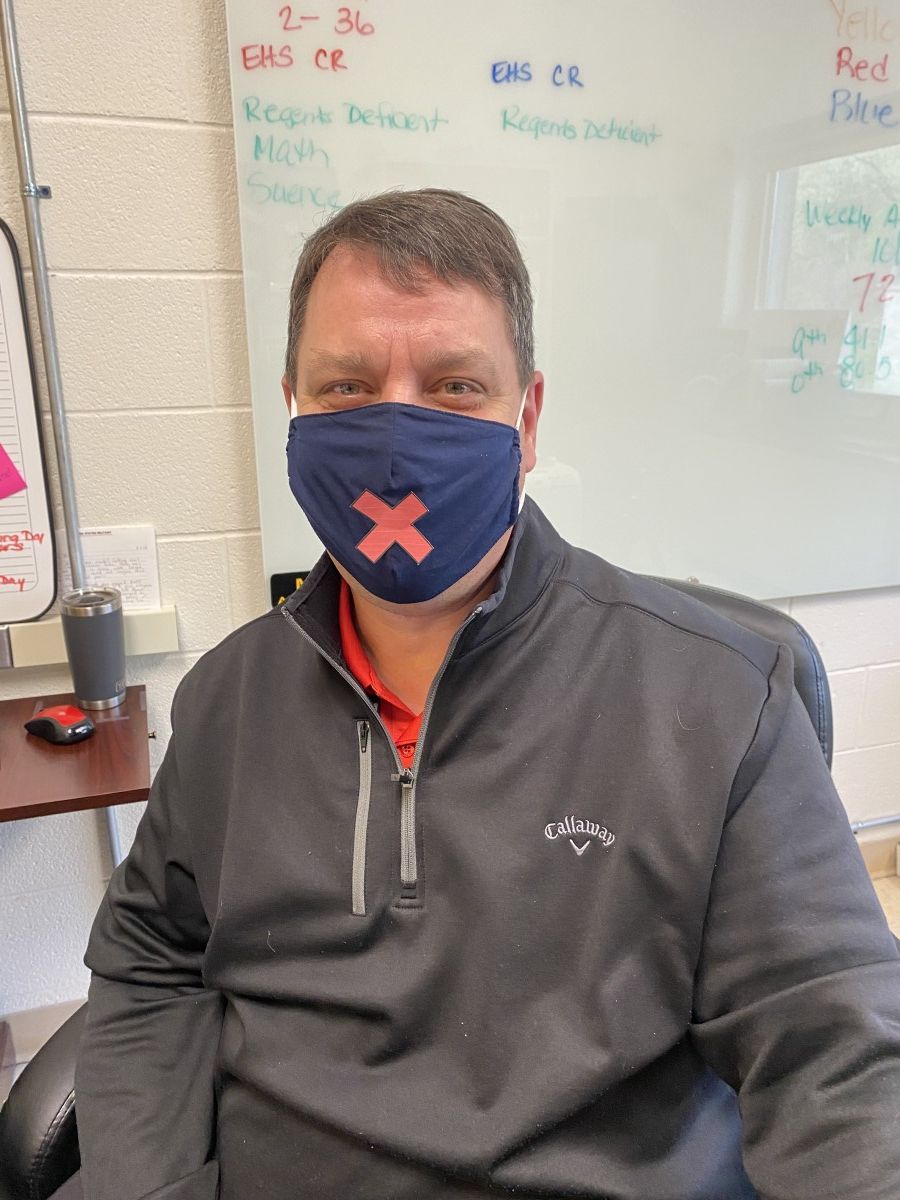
[(38, 1135)]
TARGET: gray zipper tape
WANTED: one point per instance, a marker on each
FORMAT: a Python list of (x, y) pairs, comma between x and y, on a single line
[(362, 818), (408, 867)]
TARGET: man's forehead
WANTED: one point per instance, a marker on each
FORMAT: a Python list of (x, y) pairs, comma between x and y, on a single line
[(352, 300), (351, 267)]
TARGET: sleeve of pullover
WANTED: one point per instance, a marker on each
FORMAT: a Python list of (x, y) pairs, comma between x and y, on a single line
[(144, 1078), (797, 995)]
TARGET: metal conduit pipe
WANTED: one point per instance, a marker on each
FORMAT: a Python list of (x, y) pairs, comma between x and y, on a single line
[(856, 826)]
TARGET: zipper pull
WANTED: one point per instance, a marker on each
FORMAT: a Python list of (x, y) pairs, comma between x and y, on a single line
[(363, 727), (408, 869)]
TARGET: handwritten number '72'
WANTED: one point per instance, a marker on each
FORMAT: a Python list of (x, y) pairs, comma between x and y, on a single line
[(883, 296)]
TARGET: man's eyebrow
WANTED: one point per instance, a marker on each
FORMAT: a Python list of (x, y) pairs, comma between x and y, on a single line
[(340, 364), (453, 362), (445, 362)]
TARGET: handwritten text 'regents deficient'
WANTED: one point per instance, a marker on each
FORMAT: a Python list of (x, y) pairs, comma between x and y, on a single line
[(382, 116), (513, 119)]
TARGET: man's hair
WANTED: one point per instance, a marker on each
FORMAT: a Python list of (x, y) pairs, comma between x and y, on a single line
[(415, 235)]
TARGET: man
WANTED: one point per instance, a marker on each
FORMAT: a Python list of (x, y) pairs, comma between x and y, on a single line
[(484, 867)]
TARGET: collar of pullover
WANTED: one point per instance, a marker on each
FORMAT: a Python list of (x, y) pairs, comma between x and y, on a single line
[(529, 564)]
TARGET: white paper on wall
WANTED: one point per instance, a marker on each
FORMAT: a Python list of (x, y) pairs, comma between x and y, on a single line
[(119, 556)]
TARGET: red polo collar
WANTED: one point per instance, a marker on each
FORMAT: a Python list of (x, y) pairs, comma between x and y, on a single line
[(402, 724)]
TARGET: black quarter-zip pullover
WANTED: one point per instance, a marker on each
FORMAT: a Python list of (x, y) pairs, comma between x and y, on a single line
[(611, 937)]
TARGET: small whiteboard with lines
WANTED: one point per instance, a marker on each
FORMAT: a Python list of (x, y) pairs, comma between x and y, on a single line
[(27, 564)]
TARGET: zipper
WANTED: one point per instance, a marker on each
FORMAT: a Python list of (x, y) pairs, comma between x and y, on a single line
[(409, 778), (358, 890), (406, 777), (374, 711), (408, 872)]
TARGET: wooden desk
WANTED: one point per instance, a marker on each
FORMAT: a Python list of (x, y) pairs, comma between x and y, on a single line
[(110, 767)]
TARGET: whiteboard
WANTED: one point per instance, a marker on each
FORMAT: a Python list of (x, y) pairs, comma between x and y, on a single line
[(27, 564), (707, 195)]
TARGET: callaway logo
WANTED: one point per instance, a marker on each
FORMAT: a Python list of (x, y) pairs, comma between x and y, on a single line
[(572, 826), (393, 525)]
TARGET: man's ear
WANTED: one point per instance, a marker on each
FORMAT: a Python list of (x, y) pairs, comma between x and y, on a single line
[(286, 388), (532, 414)]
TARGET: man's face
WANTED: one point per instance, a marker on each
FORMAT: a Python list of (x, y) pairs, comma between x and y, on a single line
[(444, 347)]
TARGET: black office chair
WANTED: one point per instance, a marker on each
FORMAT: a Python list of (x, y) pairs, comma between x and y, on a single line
[(810, 679), (38, 1135)]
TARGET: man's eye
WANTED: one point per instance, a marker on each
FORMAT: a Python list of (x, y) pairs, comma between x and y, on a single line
[(345, 389), (457, 387)]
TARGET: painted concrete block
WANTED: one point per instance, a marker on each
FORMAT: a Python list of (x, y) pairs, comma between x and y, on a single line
[(881, 708), (46, 852), (206, 62), (847, 690), (194, 576), (184, 472), (248, 586), (853, 629), (45, 944), (869, 781), (227, 331), (133, 197), (132, 341), (113, 58)]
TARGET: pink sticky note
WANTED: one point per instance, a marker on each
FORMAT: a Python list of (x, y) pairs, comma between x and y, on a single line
[(10, 479)]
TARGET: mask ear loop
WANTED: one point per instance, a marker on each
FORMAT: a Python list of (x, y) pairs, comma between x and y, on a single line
[(521, 408), (293, 405), (518, 423)]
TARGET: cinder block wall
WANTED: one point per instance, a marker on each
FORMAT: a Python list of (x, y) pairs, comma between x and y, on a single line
[(131, 126)]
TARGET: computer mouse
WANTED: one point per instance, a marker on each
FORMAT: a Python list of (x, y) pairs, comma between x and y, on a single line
[(62, 724)]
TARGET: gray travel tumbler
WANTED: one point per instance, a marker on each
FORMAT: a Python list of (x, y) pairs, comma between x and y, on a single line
[(95, 643)]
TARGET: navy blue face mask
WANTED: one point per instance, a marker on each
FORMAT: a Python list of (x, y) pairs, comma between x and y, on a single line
[(407, 499)]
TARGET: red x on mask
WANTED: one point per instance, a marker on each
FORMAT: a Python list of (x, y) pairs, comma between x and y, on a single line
[(393, 525)]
